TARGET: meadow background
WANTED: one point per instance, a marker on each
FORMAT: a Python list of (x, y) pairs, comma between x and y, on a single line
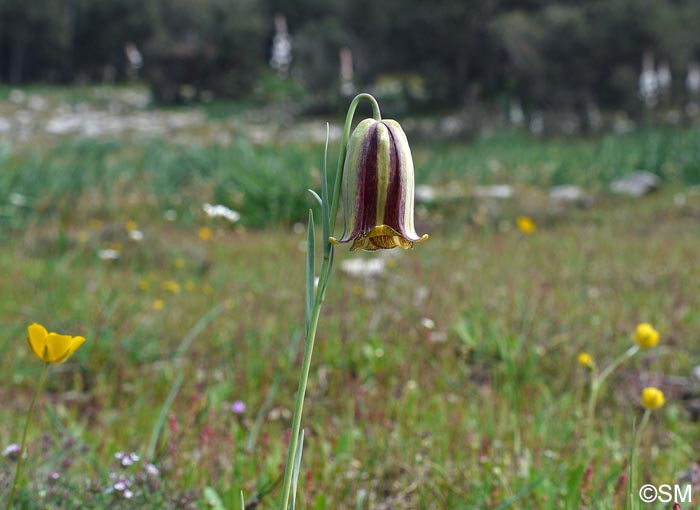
[(445, 377)]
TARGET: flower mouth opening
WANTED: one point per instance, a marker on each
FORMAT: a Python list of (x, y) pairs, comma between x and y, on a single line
[(381, 237)]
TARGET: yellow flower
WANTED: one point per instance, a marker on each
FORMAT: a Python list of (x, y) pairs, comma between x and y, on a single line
[(158, 304), (144, 285), (52, 347), (131, 226), (171, 286), (526, 225), (179, 262), (205, 233), (585, 359), (646, 336), (653, 398)]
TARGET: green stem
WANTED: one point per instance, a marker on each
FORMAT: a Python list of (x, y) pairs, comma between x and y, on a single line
[(324, 275), (616, 363), (597, 383), (22, 447), (640, 430), (301, 392), (590, 417)]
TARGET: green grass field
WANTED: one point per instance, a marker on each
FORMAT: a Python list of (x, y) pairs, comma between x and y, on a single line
[(448, 381)]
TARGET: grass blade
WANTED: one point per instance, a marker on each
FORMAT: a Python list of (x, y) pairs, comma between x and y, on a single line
[(629, 500), (361, 495), (175, 388), (520, 495), (318, 199), (325, 211), (297, 466)]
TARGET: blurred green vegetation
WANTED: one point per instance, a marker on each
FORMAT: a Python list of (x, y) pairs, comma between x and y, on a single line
[(267, 183)]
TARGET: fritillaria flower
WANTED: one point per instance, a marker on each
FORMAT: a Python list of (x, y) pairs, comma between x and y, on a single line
[(378, 188)]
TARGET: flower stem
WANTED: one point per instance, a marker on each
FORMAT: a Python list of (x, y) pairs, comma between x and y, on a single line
[(597, 381), (617, 362), (299, 405), (319, 298), (640, 430), (592, 400), (18, 470)]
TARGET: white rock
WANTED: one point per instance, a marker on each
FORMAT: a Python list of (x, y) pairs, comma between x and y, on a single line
[(636, 184), (360, 268), (17, 96), (108, 254), (498, 191), (561, 196)]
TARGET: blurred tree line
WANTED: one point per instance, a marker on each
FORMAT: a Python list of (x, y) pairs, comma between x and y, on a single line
[(547, 54)]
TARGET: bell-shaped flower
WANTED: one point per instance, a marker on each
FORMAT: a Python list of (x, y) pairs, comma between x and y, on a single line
[(378, 188)]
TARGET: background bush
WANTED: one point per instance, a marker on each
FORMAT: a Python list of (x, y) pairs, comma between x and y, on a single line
[(547, 54)]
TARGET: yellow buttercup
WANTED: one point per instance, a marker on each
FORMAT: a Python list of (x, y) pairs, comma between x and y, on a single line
[(646, 336), (52, 347), (653, 398)]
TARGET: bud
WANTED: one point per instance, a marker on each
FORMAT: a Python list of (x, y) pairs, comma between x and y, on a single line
[(378, 188)]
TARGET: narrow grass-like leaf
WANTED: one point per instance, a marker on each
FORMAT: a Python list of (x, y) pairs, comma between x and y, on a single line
[(318, 199), (242, 501), (325, 209), (629, 500), (271, 394), (297, 467), (160, 421), (520, 495), (310, 248), (361, 495), (177, 383)]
